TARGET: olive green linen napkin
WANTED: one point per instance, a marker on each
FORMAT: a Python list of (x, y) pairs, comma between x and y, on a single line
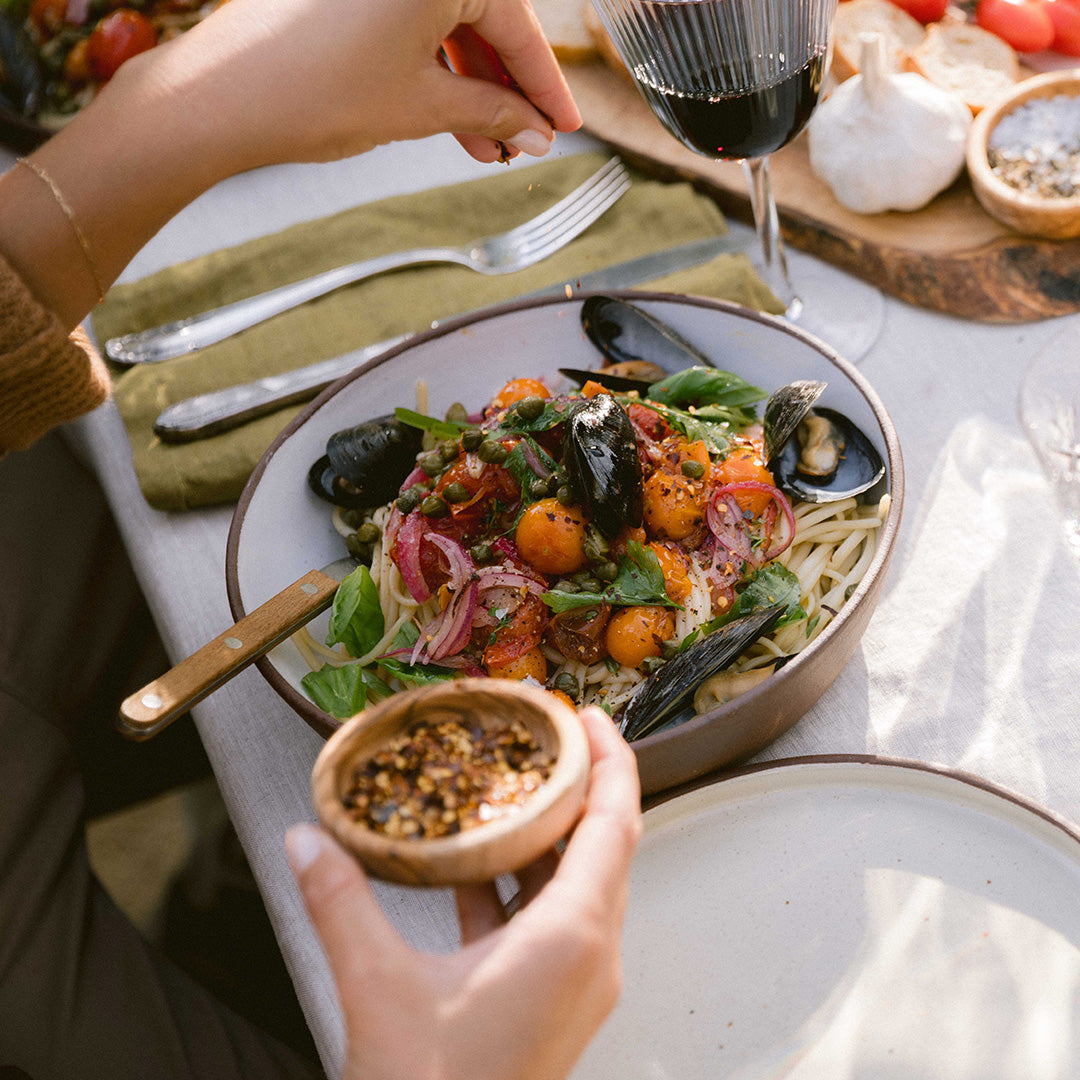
[(650, 217)]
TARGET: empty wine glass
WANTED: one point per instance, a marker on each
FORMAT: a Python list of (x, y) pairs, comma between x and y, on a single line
[(1050, 415), (737, 80)]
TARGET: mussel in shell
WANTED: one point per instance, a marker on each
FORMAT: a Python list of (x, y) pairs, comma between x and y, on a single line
[(817, 454), (602, 465), (21, 83), (624, 333), (365, 465), (667, 696)]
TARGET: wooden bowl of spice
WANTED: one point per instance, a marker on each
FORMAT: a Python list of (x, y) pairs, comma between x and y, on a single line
[(454, 783), (1023, 156)]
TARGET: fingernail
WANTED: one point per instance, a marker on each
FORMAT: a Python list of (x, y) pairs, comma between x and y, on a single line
[(530, 142), (303, 845)]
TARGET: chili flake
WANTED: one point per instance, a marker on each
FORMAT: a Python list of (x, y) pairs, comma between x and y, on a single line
[(438, 779)]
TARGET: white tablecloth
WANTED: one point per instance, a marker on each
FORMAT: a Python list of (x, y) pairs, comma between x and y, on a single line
[(971, 660)]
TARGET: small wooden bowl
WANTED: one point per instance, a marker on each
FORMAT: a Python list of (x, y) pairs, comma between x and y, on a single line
[(1033, 215), (481, 853)]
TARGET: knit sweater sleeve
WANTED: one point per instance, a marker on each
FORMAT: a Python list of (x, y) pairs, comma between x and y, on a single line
[(46, 376)]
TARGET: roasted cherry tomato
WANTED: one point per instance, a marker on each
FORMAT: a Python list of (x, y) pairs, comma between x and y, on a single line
[(118, 37), (926, 11), (47, 16), (1065, 15), (1024, 24)]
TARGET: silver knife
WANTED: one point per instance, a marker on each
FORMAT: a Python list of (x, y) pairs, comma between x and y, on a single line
[(221, 410)]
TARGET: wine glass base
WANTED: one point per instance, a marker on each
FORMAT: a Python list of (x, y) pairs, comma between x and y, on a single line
[(844, 312)]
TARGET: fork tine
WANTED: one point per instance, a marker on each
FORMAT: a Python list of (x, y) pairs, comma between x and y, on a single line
[(569, 213), (562, 232), (612, 167)]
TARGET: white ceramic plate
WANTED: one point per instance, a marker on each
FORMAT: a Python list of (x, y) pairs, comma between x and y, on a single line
[(848, 919), (281, 529)]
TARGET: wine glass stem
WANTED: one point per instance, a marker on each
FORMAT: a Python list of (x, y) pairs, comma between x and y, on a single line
[(773, 266)]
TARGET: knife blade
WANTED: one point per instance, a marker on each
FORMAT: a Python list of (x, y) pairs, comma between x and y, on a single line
[(221, 410)]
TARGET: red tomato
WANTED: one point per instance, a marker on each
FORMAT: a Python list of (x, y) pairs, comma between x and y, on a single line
[(1065, 15), (48, 16), (1024, 24), (118, 37), (926, 11)]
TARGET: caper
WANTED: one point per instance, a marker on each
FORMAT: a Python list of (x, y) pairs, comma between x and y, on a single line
[(357, 548), (408, 500), (352, 517), (448, 449), (669, 649), (492, 452), (538, 488), (455, 493), (471, 439), (591, 586), (368, 532), (427, 442), (431, 464), (600, 542), (481, 553), (651, 664), (694, 469), (607, 571), (567, 586), (433, 506), (565, 496), (529, 408), (566, 682), (457, 413)]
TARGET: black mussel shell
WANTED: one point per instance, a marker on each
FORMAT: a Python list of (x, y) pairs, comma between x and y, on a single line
[(365, 465), (623, 332), (859, 467), (21, 83), (784, 412), (325, 482), (669, 692), (602, 466)]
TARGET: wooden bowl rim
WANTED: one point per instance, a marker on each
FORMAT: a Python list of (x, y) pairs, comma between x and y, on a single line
[(571, 764), (1049, 84)]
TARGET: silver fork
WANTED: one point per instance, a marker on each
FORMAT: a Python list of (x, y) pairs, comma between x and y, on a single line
[(501, 254)]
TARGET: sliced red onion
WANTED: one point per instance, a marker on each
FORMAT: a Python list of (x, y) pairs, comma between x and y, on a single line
[(77, 12), (494, 577), (461, 566), (417, 476), (777, 496), (407, 554), (533, 461), (448, 633)]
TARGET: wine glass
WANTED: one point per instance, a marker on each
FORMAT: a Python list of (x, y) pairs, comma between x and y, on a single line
[(737, 80), (1050, 414)]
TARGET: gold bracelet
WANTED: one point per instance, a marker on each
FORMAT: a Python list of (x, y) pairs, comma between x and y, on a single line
[(46, 179)]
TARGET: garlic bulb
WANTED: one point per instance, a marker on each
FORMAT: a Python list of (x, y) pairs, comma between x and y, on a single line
[(886, 141)]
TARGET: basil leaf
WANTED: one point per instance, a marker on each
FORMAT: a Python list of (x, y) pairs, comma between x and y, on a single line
[(772, 584), (715, 433), (640, 581), (340, 691), (441, 429), (356, 618), (704, 386)]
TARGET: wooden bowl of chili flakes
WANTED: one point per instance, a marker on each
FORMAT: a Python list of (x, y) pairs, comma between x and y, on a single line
[(454, 783)]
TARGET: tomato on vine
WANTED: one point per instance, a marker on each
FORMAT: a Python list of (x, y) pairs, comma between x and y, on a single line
[(1024, 24)]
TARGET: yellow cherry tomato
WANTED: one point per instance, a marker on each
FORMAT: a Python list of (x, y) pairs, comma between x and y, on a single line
[(565, 698), (516, 389), (635, 633), (551, 537), (675, 567), (674, 505), (531, 664), (742, 464)]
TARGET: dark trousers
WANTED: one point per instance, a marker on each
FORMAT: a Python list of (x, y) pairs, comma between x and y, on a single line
[(82, 994)]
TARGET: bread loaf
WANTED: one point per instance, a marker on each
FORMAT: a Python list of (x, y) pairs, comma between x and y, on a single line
[(963, 57), (563, 23), (900, 32)]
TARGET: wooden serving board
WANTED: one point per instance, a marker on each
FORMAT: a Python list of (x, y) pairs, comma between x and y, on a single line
[(951, 256)]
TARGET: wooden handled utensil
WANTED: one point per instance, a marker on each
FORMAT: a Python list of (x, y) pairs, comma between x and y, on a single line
[(159, 703)]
